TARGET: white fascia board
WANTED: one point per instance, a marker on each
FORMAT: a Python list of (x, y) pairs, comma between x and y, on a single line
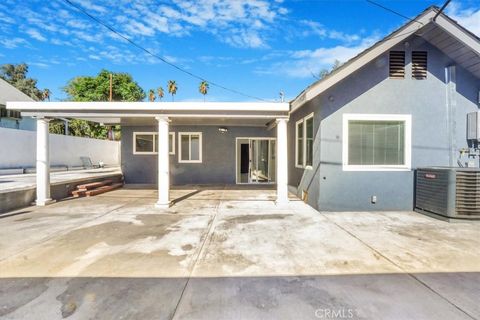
[(368, 56), (84, 115), (457, 32), (149, 106)]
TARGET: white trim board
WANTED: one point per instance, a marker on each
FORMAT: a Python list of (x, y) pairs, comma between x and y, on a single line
[(304, 160), (147, 106), (407, 118)]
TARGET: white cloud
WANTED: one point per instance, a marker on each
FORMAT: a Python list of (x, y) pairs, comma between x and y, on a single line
[(39, 64), (343, 36), (78, 24), (35, 35), (6, 19), (467, 17), (60, 42), (245, 39), (94, 57), (91, 6), (13, 42), (238, 23), (313, 28), (95, 38), (309, 28), (241, 24), (304, 63), (138, 28)]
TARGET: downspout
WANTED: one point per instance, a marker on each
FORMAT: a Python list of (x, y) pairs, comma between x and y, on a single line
[(65, 122), (451, 105)]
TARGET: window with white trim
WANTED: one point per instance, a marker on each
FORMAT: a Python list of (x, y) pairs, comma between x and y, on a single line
[(304, 142), (146, 143), (190, 147), (376, 142)]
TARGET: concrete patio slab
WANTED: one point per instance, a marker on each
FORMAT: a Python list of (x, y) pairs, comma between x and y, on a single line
[(436, 245), (384, 296), (90, 298), (231, 253)]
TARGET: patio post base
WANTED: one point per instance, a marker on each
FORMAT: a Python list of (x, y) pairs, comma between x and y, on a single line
[(281, 202), (42, 203), (162, 205)]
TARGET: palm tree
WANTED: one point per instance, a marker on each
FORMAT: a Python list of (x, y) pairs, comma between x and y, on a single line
[(46, 94), (203, 88), (160, 93), (151, 95), (172, 88)]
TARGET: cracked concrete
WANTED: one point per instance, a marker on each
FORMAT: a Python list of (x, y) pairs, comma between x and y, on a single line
[(229, 252)]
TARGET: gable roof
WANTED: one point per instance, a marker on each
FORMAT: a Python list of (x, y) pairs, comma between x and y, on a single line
[(421, 24), (10, 93)]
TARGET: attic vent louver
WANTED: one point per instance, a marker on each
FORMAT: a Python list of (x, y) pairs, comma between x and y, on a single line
[(397, 64), (419, 65)]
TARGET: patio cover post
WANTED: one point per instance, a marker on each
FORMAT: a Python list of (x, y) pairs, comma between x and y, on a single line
[(163, 164), (282, 162), (43, 163)]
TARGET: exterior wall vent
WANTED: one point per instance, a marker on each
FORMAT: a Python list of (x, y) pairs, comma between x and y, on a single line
[(397, 65), (473, 126), (419, 65), (448, 192)]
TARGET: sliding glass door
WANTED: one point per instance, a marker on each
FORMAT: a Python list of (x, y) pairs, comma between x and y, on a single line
[(256, 160)]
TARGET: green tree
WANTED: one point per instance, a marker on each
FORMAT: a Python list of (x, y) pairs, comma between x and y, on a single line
[(203, 88), (160, 93), (172, 88), (151, 95), (97, 88), (46, 94), (325, 72), (16, 75), (56, 126)]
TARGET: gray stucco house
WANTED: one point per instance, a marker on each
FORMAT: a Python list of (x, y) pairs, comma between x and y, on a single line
[(400, 105), (350, 141)]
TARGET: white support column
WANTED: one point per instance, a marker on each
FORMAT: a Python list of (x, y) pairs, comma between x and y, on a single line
[(43, 163), (282, 162), (163, 164)]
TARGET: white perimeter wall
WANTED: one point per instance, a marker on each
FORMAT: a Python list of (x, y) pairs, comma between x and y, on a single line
[(18, 149)]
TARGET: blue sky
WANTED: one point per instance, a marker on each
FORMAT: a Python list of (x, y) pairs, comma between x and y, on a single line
[(258, 47)]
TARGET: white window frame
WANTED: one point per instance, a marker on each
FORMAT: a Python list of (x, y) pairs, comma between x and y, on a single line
[(406, 118), (172, 134), (135, 143), (155, 134), (303, 165), (200, 149)]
